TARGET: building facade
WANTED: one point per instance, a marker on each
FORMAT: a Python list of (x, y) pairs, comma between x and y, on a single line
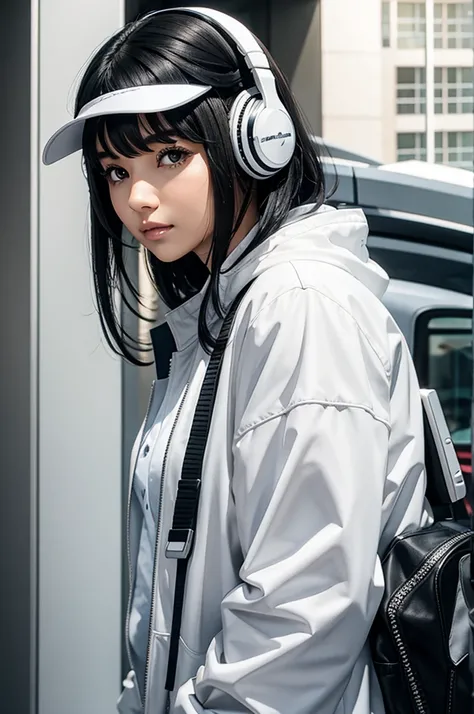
[(389, 69)]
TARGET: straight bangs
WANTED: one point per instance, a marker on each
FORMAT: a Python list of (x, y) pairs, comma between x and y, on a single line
[(129, 134)]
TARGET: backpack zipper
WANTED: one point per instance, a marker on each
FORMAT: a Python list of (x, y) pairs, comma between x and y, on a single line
[(155, 557), (395, 604)]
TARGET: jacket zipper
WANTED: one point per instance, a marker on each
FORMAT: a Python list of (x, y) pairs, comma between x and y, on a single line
[(155, 557), (395, 604), (129, 555)]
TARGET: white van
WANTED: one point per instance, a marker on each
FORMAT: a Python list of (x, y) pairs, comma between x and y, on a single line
[(420, 222)]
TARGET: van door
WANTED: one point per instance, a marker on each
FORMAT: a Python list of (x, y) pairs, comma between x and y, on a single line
[(443, 359)]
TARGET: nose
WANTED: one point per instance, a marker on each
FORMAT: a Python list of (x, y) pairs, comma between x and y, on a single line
[(143, 197)]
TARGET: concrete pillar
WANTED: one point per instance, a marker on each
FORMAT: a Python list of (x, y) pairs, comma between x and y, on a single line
[(79, 408), (352, 75), (60, 388)]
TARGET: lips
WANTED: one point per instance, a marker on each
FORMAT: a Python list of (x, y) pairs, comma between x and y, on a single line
[(155, 231)]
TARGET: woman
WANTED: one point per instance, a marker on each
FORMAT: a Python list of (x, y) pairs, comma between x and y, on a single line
[(315, 453)]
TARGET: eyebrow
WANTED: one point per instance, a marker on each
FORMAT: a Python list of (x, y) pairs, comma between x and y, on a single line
[(150, 139)]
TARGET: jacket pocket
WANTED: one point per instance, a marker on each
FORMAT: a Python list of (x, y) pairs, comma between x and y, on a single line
[(129, 701), (189, 662)]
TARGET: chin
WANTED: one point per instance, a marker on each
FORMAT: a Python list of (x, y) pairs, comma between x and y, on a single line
[(167, 254)]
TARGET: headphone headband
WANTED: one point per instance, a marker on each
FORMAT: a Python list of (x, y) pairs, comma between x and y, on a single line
[(262, 132), (255, 59)]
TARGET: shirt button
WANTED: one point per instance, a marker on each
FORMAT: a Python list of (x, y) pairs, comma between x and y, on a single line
[(146, 450)]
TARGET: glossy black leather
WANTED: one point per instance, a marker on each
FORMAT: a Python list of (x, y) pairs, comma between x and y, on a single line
[(424, 620)]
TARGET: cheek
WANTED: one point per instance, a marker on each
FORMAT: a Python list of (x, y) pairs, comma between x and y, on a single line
[(193, 186)]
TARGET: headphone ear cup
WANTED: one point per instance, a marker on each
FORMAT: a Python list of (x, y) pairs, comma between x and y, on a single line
[(263, 139), (273, 138), (246, 105)]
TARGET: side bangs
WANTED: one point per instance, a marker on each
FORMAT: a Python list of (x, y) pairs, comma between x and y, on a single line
[(131, 134)]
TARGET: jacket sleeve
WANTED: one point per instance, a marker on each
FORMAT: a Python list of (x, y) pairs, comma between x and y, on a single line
[(310, 457)]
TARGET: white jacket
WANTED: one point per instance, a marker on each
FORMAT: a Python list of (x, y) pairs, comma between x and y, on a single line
[(314, 463)]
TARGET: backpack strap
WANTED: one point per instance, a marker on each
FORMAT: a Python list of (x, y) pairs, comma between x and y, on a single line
[(181, 535)]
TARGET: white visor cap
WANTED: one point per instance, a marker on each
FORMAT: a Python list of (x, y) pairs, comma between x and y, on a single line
[(133, 100)]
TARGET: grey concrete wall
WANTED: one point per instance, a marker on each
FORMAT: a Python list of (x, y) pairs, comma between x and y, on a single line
[(60, 390), (17, 590), (295, 42)]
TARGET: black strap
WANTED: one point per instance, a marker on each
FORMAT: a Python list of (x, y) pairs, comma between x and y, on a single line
[(181, 535)]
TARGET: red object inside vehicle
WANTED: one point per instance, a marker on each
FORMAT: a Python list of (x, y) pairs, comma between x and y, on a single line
[(465, 461)]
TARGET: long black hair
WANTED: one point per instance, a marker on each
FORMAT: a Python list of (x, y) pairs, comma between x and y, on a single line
[(178, 48)]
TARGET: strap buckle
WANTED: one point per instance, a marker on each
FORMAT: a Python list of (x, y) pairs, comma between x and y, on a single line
[(180, 541)]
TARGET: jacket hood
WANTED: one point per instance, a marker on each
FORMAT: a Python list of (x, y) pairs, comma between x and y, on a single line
[(328, 235)]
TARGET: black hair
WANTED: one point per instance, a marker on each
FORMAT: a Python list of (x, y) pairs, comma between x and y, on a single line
[(178, 48)]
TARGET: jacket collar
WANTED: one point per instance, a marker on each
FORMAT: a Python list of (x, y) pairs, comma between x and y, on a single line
[(325, 235), (183, 320)]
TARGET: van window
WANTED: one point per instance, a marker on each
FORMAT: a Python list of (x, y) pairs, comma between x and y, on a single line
[(443, 358)]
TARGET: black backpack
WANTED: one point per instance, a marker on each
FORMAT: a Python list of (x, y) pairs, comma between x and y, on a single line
[(421, 632), (421, 637)]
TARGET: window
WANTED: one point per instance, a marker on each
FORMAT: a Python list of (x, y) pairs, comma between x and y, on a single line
[(439, 153), (439, 91), (455, 148), (444, 362), (411, 25), (385, 24), (400, 258), (460, 90), (453, 28), (460, 149), (454, 92), (459, 26), (438, 25), (411, 90), (411, 146)]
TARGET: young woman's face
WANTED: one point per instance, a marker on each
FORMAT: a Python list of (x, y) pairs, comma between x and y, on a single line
[(163, 197)]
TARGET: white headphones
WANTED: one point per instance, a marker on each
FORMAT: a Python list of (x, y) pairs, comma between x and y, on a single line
[(261, 130)]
